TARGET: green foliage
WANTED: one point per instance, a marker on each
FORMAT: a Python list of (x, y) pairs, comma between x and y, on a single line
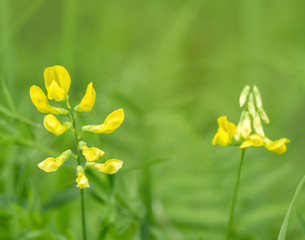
[(174, 66)]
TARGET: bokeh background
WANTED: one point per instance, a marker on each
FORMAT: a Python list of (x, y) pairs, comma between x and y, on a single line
[(174, 66)]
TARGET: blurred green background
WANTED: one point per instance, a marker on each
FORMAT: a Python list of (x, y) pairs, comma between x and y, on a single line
[(174, 66)]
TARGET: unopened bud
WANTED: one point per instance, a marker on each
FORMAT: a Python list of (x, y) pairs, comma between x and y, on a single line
[(257, 125), (258, 98), (264, 116), (251, 107), (244, 95)]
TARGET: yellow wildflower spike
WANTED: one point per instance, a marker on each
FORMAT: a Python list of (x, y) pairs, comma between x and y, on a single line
[(225, 133), (57, 81), (82, 180), (91, 153), (253, 140), (110, 167), (277, 146), (51, 164), (39, 99), (52, 124), (111, 123), (88, 100)]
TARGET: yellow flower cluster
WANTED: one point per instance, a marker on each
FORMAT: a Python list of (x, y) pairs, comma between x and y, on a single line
[(242, 135), (57, 83)]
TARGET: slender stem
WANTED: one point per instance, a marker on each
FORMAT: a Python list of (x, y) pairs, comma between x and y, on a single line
[(82, 193), (233, 204)]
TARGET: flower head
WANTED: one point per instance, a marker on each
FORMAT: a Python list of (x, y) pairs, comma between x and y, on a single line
[(244, 135), (52, 124), (90, 153), (110, 167), (39, 99), (88, 100), (111, 123), (57, 81), (225, 133), (51, 164)]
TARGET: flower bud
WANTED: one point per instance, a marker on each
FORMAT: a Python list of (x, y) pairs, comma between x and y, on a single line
[(251, 107), (244, 95), (258, 98), (82, 180)]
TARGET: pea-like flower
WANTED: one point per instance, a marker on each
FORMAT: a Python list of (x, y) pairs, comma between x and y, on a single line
[(57, 81), (111, 123), (82, 180), (51, 164), (88, 100), (90, 153), (243, 135), (225, 133), (39, 99), (52, 124), (110, 167)]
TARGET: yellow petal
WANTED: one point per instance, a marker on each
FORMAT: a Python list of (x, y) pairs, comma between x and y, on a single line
[(111, 123), (39, 99), (91, 153), (41, 102), (278, 146), (52, 124), (56, 92), (82, 180), (225, 132), (58, 74), (88, 100), (221, 138), (110, 167), (253, 140), (51, 164)]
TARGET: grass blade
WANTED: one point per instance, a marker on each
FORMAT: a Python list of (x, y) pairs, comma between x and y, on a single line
[(282, 234)]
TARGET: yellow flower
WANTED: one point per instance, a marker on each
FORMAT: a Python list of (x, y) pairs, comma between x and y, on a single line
[(91, 154), (225, 133), (39, 99), (88, 100), (110, 167), (253, 140), (277, 146), (51, 164), (57, 82), (82, 180), (111, 123), (52, 124)]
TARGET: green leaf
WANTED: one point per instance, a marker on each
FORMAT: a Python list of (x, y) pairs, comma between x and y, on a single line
[(61, 198), (301, 222), (283, 231)]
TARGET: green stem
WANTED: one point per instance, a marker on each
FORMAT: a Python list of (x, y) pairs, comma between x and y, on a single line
[(82, 193), (231, 218)]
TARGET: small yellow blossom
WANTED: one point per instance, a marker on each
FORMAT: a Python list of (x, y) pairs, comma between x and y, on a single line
[(52, 124), (82, 180), (51, 164), (57, 81), (244, 135), (88, 100), (225, 133), (253, 140), (39, 99), (111, 123), (110, 167), (277, 146), (91, 153)]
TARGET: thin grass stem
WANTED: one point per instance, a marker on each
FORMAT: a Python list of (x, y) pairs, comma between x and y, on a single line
[(233, 204)]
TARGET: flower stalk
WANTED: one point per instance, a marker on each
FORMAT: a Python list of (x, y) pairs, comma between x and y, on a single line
[(233, 204)]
